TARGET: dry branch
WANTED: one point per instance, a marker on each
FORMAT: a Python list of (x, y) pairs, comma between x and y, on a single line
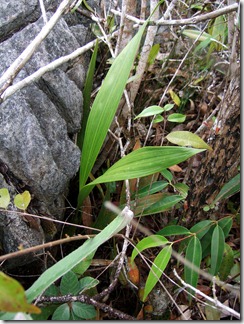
[(186, 21), (8, 77)]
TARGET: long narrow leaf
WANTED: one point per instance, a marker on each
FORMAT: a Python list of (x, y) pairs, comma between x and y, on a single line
[(159, 264), (194, 255), (87, 96), (217, 249), (71, 260), (142, 162), (229, 189), (105, 105), (148, 242), (163, 205)]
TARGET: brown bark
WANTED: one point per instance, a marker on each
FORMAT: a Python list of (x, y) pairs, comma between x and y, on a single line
[(218, 166)]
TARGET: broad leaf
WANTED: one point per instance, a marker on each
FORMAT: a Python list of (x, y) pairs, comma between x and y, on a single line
[(69, 284), (83, 311), (4, 198), (174, 97), (158, 266), (148, 242), (87, 283), (22, 201), (176, 118), (217, 249), (150, 111), (193, 255), (185, 138), (174, 230), (12, 296), (62, 313)]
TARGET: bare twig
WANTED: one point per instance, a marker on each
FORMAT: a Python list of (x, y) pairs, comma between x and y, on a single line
[(8, 77), (47, 68), (218, 304), (43, 10), (43, 246), (186, 21)]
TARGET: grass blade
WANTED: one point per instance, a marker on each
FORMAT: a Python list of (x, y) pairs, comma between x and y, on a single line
[(105, 105), (142, 162)]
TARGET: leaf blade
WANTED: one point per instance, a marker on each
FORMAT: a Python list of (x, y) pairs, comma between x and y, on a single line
[(160, 263), (185, 138)]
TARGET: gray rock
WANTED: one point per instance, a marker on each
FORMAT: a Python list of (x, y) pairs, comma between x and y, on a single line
[(37, 122), (15, 15)]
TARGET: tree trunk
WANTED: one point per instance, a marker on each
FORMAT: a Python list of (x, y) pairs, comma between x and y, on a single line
[(220, 165)]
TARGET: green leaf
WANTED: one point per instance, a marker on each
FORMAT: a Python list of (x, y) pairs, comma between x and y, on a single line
[(4, 198), (227, 262), (217, 249), (150, 111), (51, 291), (148, 242), (151, 189), (176, 118), (47, 311), (62, 313), (22, 201), (163, 205), (87, 283), (174, 230), (12, 296), (83, 311), (158, 266), (87, 96), (194, 255), (182, 188), (69, 284), (153, 54), (82, 266), (105, 105), (167, 175), (71, 260), (201, 228), (229, 189), (206, 242), (192, 33), (158, 119), (226, 225), (185, 138), (142, 162), (174, 97), (168, 107)]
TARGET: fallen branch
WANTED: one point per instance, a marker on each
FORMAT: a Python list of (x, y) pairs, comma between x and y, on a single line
[(88, 300)]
